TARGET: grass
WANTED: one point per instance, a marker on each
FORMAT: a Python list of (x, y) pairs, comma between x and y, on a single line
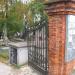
[(4, 56)]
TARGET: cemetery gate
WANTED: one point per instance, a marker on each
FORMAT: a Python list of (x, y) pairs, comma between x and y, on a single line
[(38, 49)]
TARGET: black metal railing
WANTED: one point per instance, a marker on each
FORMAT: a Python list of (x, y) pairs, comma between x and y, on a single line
[(38, 50)]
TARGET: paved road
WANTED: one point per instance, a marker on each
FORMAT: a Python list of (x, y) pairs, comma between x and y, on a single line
[(8, 70)]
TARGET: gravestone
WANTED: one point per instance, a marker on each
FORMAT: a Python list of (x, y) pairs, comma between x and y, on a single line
[(18, 53)]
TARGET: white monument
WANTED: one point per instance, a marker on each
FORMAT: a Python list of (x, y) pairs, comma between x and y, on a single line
[(18, 53)]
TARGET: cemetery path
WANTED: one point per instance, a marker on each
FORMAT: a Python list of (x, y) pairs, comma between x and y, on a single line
[(8, 70), (4, 69)]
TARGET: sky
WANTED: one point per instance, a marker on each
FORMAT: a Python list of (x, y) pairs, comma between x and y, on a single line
[(25, 1)]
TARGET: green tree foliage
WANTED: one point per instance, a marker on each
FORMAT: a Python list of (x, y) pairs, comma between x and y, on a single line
[(35, 16), (15, 18), (36, 13), (12, 17), (1, 13)]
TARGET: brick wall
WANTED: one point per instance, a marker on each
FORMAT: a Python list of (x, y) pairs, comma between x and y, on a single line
[(57, 41), (64, 7), (56, 44), (69, 67), (57, 37)]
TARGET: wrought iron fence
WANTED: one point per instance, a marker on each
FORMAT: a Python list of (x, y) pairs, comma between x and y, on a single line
[(38, 50)]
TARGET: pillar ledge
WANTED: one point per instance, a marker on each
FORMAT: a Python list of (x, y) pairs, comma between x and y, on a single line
[(60, 7)]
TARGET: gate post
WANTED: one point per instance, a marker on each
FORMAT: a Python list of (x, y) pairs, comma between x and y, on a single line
[(58, 54)]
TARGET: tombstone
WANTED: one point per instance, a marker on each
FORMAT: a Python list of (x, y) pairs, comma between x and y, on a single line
[(1, 34), (61, 39), (18, 53)]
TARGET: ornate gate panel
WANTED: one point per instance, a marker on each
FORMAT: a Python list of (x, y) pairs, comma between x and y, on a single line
[(38, 52)]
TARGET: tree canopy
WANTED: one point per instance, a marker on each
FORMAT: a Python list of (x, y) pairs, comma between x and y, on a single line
[(11, 17), (14, 15)]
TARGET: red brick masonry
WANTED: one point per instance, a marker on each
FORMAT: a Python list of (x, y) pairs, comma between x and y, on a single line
[(69, 67), (57, 37), (61, 7), (56, 44)]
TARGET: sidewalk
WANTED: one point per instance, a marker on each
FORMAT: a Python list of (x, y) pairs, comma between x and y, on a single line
[(8, 70), (4, 69)]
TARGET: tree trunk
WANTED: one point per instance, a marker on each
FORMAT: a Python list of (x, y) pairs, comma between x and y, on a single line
[(5, 38)]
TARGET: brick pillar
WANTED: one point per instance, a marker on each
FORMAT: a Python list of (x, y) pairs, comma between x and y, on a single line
[(56, 44), (57, 12)]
